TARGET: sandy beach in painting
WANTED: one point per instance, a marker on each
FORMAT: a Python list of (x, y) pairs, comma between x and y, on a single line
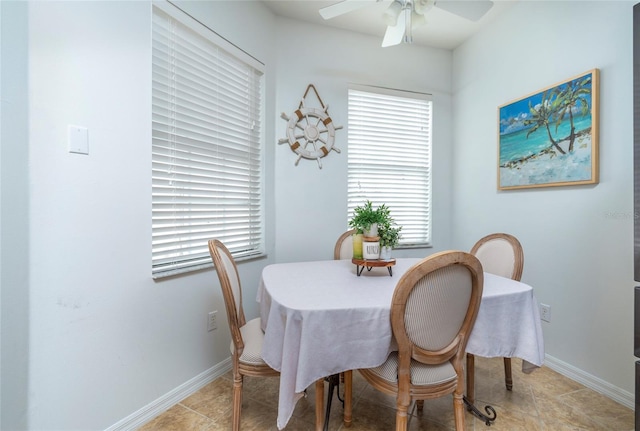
[(551, 166)]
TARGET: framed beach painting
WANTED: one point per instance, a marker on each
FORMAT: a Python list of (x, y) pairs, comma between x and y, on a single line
[(550, 137)]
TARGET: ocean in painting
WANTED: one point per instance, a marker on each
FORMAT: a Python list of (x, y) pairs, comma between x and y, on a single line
[(550, 167), (516, 146), (531, 162)]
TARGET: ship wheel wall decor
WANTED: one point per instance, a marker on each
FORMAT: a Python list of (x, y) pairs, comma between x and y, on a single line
[(311, 133)]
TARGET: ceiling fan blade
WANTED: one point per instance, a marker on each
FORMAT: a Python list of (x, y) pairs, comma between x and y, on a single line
[(470, 9), (343, 7), (395, 33)]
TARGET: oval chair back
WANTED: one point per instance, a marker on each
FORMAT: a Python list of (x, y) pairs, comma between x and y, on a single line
[(344, 246)]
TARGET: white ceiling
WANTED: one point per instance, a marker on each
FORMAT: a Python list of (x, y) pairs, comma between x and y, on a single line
[(442, 30)]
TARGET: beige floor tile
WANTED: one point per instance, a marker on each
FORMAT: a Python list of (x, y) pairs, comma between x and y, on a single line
[(437, 414), (541, 401), (370, 415), (179, 418), (554, 413), (213, 400), (600, 408), (519, 399)]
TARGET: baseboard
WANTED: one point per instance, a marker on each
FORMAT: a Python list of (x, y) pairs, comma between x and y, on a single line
[(592, 382), (171, 398)]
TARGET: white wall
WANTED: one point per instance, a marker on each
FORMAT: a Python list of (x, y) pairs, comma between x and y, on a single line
[(312, 202), (577, 240), (105, 339), (14, 226)]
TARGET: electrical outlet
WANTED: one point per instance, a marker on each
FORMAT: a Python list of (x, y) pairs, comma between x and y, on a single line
[(545, 312), (212, 323)]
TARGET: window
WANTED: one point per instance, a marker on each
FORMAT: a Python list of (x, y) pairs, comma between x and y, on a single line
[(207, 173), (389, 157)]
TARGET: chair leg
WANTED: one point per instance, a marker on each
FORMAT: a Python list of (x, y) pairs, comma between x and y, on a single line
[(237, 401), (401, 415), (401, 421), (458, 410), (471, 363), (348, 396), (508, 381)]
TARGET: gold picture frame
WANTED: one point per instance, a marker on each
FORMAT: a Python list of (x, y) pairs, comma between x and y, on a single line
[(550, 137)]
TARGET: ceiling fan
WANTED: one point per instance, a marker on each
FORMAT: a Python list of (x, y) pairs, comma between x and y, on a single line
[(403, 16)]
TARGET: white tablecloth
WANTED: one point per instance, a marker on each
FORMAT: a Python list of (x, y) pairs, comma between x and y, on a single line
[(321, 319)]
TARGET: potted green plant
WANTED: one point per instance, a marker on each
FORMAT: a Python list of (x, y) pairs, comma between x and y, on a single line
[(366, 219), (389, 239), (389, 235)]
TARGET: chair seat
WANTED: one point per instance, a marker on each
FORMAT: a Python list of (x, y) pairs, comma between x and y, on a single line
[(253, 337), (421, 374)]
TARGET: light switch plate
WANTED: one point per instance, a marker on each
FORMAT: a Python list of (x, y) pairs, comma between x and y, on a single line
[(78, 140)]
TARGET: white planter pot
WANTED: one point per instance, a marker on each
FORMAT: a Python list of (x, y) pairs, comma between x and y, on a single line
[(385, 253), (372, 232), (371, 250)]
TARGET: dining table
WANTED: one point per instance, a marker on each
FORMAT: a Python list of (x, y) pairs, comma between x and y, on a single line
[(321, 318)]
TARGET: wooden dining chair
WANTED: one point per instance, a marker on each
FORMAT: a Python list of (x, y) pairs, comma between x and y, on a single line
[(500, 254), (246, 337), (344, 246), (433, 310)]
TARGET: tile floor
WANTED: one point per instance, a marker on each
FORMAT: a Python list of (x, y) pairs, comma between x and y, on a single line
[(542, 400)]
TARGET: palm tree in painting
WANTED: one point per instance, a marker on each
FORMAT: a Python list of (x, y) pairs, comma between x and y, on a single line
[(573, 96), (541, 116)]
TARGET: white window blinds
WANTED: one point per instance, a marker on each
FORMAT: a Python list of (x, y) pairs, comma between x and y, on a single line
[(389, 157), (207, 133)]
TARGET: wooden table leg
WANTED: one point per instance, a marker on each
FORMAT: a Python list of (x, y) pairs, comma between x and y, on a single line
[(508, 379), (319, 404), (348, 395), (471, 363)]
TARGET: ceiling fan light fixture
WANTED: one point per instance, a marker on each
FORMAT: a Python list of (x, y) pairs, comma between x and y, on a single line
[(422, 6), (417, 20), (392, 13)]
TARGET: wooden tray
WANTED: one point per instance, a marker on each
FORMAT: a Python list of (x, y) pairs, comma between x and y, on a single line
[(361, 264)]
